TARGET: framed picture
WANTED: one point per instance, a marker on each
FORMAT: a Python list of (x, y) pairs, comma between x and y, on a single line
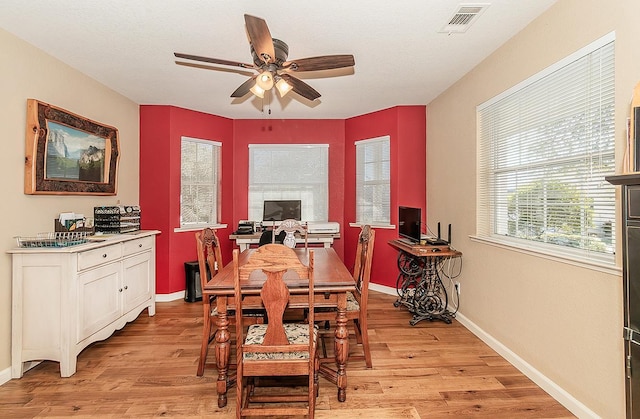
[(68, 154)]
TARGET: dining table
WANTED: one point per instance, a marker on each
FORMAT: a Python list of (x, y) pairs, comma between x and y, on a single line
[(332, 281)]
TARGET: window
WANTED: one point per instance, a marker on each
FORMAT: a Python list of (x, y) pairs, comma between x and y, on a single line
[(290, 172), (200, 182), (545, 147), (373, 181)]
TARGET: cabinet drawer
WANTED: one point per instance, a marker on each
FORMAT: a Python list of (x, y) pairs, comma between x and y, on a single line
[(138, 245), (99, 256)]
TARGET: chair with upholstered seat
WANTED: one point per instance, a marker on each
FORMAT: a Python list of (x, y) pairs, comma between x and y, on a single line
[(357, 302), (276, 349), (291, 227), (209, 264)]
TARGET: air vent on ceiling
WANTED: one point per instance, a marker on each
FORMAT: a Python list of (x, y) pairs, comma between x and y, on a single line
[(464, 17)]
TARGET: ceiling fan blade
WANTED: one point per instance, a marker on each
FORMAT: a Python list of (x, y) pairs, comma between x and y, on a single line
[(213, 60), (325, 62), (243, 89), (300, 87), (260, 38)]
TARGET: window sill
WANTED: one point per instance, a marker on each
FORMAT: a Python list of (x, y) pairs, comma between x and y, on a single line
[(380, 226), (601, 266), (197, 227)]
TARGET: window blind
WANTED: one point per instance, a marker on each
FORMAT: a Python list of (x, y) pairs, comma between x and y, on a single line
[(199, 181), (290, 171), (373, 181), (544, 149)]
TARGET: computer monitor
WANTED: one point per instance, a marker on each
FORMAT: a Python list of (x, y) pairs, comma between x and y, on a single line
[(409, 220), (282, 210)]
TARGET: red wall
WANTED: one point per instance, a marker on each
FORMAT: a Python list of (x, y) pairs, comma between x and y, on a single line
[(154, 178), (161, 128), (406, 126)]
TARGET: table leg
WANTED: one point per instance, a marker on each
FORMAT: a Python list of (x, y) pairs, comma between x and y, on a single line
[(222, 350), (341, 347)]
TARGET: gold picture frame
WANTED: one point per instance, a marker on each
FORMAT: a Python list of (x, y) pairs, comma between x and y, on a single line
[(67, 154)]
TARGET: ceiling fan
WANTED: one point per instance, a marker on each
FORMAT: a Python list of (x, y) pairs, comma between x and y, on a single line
[(270, 62)]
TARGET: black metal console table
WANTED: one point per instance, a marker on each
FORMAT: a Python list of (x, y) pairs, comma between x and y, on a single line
[(420, 288)]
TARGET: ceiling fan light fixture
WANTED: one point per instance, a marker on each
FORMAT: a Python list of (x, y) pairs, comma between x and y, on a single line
[(283, 87), (257, 90), (265, 80)]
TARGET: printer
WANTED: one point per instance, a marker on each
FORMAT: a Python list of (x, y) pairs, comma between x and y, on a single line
[(330, 227)]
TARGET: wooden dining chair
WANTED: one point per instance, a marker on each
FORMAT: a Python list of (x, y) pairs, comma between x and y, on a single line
[(276, 349), (291, 227), (209, 264), (357, 301)]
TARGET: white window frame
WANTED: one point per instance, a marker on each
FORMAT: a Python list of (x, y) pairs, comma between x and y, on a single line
[(214, 185), (289, 172), (493, 166), (373, 172)]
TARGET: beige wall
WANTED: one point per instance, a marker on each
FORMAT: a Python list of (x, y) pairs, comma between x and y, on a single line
[(563, 320), (26, 72)]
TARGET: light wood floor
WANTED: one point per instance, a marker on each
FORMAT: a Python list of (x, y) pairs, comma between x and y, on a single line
[(431, 370)]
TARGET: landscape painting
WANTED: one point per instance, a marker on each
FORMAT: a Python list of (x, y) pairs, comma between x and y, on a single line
[(69, 154), (74, 154)]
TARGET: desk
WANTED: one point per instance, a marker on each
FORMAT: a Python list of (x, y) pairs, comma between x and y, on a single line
[(332, 280), (244, 241), (419, 286)]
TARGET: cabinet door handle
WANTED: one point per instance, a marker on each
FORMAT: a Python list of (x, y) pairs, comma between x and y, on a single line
[(120, 290), (140, 245), (104, 255), (126, 287)]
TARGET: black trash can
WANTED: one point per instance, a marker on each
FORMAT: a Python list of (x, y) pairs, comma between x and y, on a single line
[(193, 289)]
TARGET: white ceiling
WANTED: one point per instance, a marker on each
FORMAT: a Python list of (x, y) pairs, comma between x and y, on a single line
[(401, 57)]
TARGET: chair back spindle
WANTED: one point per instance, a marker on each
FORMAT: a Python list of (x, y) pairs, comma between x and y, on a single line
[(275, 297)]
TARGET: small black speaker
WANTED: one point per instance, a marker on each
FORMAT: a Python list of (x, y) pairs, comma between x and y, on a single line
[(193, 288)]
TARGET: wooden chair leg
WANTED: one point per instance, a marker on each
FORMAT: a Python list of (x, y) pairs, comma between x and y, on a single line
[(363, 331), (239, 398), (316, 383), (323, 344), (313, 390), (206, 339), (357, 331)]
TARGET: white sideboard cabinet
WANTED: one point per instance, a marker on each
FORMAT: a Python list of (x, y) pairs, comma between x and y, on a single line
[(65, 298)]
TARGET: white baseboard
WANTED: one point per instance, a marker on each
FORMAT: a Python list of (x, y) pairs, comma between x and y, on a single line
[(383, 289), (165, 298), (5, 375), (554, 390)]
